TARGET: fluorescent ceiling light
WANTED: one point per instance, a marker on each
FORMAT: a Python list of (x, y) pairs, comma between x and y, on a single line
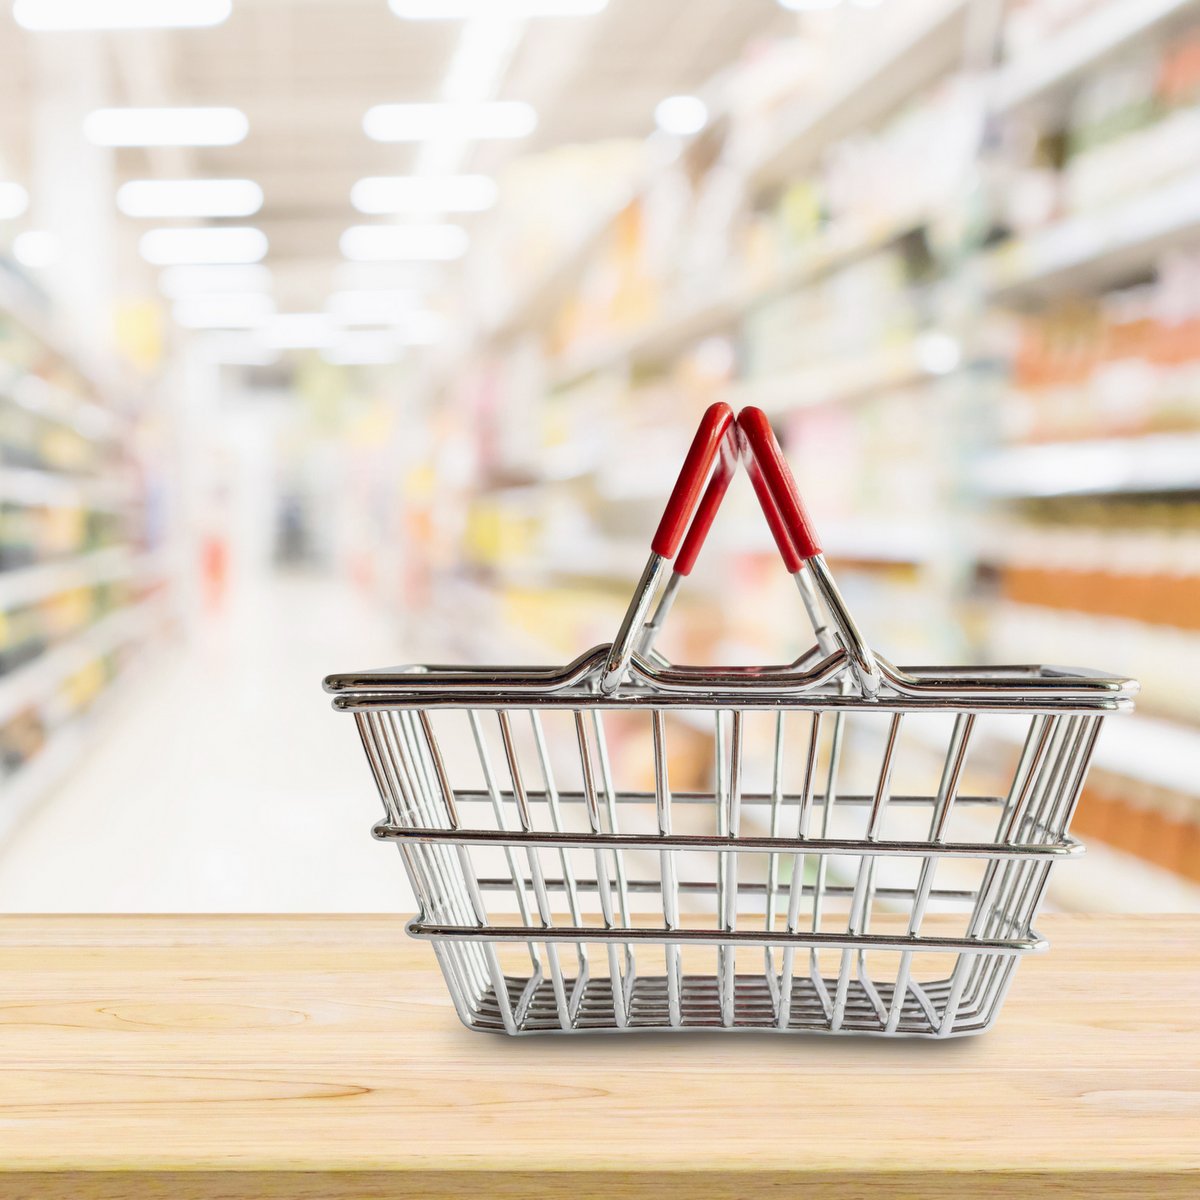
[(404, 243), (119, 14), (236, 244), (36, 248), (189, 198), (425, 122), (166, 126), (384, 276), (235, 350), (363, 349), (383, 307), (513, 10), (175, 282), (14, 200), (300, 331), (681, 115), (213, 310), (423, 193)]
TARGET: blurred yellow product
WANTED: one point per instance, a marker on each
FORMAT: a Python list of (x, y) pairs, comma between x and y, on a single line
[(63, 448), (64, 529), (800, 212), (496, 536), (139, 333), (85, 685)]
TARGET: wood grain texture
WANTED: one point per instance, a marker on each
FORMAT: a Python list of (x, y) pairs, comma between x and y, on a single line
[(234, 1056)]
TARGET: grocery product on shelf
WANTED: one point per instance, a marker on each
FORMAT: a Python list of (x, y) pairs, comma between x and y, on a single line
[(77, 575), (1125, 362)]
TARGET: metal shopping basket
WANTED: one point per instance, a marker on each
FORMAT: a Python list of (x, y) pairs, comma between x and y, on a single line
[(627, 844)]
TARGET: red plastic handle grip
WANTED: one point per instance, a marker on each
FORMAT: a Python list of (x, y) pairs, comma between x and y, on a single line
[(779, 531), (776, 488), (718, 485), (714, 425)]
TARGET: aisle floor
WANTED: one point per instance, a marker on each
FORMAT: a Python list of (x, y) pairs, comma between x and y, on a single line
[(221, 780)]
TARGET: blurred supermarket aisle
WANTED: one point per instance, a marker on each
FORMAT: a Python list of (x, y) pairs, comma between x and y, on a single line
[(446, 366), (223, 780)]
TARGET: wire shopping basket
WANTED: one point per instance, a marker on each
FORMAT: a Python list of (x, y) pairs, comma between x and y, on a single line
[(861, 849)]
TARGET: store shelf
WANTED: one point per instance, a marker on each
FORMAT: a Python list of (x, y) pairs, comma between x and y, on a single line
[(880, 541), (1062, 60), (26, 485), (36, 395), (838, 246), (840, 379), (42, 773), (536, 304), (1163, 753), (1087, 884), (35, 682), (31, 584), (657, 341), (1095, 249), (1156, 463), (894, 68)]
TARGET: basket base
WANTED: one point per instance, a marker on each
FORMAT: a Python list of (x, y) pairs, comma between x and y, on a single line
[(700, 1008)]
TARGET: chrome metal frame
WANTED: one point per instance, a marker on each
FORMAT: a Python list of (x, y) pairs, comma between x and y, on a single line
[(579, 863)]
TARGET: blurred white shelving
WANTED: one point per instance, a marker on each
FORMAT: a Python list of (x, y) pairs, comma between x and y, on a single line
[(1155, 463), (1063, 59), (31, 584), (1094, 249), (1086, 884), (37, 681), (840, 379), (37, 396), (28, 485), (1164, 753), (891, 69)]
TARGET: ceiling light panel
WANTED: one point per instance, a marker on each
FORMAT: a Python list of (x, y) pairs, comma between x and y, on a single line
[(167, 247), (383, 307), (513, 10), (55, 15), (363, 349), (300, 331), (166, 127), (404, 243), (14, 200), (37, 248), (235, 349), (212, 310), (175, 282), (189, 198), (423, 193), (495, 119)]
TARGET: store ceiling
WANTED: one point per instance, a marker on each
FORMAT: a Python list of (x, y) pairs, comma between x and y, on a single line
[(305, 72)]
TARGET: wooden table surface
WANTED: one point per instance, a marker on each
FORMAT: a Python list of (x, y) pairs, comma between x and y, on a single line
[(237, 1056)]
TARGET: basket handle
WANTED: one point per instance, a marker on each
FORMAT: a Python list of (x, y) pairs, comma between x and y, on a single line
[(683, 505), (776, 489), (798, 543), (718, 485), (716, 432)]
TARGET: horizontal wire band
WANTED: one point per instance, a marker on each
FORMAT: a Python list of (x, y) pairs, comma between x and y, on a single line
[(1063, 848), (430, 931), (786, 800), (700, 887), (1029, 704)]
